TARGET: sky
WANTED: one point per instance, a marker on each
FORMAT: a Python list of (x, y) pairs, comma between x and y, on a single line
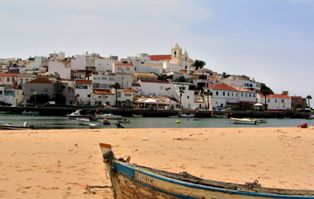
[(269, 40)]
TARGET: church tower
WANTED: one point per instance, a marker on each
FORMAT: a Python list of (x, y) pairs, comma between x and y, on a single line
[(176, 54)]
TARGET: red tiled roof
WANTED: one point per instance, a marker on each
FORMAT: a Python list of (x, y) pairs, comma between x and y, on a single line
[(102, 92), (127, 90), (221, 87), (40, 80), (8, 75), (159, 57), (83, 81), (277, 96)]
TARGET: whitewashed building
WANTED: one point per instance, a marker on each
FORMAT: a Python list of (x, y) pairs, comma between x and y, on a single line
[(275, 102), (10, 95), (103, 97), (83, 92), (222, 95), (123, 73), (62, 68), (103, 80), (242, 81)]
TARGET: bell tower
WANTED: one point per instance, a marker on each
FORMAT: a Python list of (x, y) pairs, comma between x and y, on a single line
[(176, 54)]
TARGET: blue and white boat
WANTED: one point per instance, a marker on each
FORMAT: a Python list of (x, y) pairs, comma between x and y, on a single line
[(131, 181)]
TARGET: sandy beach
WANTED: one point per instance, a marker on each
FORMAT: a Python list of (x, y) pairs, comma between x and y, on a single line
[(60, 163)]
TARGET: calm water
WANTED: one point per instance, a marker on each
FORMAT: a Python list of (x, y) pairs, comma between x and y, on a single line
[(44, 122)]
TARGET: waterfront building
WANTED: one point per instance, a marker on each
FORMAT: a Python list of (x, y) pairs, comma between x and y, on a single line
[(298, 103), (103, 97), (123, 73), (125, 97), (275, 102), (103, 80), (83, 92), (39, 86)]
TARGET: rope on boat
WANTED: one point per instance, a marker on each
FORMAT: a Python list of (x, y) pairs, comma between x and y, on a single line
[(252, 185)]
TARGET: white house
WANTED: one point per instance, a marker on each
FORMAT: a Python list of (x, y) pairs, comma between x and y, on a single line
[(81, 62), (60, 67), (10, 95), (103, 64), (103, 80), (154, 88), (242, 81), (189, 99), (222, 95), (124, 73), (125, 97), (276, 102), (83, 91), (103, 97)]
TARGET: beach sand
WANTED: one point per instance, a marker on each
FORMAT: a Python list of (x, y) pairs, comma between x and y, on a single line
[(60, 163)]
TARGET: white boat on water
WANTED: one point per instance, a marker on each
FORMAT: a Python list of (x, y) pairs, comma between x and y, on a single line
[(78, 114), (183, 115), (108, 116), (243, 121)]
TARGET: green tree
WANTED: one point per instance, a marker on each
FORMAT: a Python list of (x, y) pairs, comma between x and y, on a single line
[(265, 90), (207, 94), (181, 79), (59, 98), (309, 97), (198, 64), (181, 91), (116, 86), (162, 76)]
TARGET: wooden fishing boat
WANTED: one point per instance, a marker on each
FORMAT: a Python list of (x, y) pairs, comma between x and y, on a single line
[(9, 126), (130, 181), (243, 121)]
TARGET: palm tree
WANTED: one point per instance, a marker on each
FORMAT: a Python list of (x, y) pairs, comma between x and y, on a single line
[(181, 91), (265, 90), (116, 86), (309, 97), (198, 64), (208, 93)]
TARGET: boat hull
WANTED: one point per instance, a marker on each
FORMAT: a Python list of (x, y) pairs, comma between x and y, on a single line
[(130, 181), (135, 183)]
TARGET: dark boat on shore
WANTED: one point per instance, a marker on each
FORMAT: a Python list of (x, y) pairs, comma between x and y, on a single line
[(130, 181)]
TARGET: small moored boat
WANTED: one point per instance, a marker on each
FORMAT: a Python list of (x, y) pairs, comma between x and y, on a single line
[(243, 121), (136, 182), (78, 114), (183, 115), (9, 126), (108, 116), (30, 113)]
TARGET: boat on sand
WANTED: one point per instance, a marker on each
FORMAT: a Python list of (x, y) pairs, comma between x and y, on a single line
[(135, 182)]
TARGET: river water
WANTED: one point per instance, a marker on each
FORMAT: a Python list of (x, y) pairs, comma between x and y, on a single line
[(45, 122)]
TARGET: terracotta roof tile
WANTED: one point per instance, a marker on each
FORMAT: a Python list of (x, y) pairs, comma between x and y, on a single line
[(278, 96), (159, 57), (8, 75), (102, 92), (83, 81), (221, 87), (40, 80), (154, 81), (127, 90)]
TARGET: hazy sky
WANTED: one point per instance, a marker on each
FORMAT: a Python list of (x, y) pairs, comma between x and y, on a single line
[(270, 40)]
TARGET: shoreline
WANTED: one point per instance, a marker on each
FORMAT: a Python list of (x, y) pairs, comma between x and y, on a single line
[(60, 163)]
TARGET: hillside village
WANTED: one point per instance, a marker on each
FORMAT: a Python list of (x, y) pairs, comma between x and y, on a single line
[(170, 81)]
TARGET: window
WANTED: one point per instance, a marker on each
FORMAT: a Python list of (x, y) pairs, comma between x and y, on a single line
[(249, 94), (161, 87), (119, 94), (77, 95), (275, 100), (104, 78), (88, 96), (223, 93), (217, 93), (175, 53), (45, 90), (111, 79), (0, 92), (188, 97), (127, 94), (32, 90), (283, 101), (268, 100), (8, 79)]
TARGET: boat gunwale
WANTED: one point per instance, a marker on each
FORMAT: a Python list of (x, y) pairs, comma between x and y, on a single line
[(210, 185)]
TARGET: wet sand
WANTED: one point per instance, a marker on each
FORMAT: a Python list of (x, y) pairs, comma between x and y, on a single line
[(60, 163)]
